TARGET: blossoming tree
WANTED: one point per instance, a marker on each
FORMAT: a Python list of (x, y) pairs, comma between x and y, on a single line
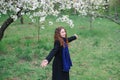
[(42, 8), (91, 8), (33, 8)]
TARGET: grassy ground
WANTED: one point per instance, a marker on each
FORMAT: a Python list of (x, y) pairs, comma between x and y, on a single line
[(95, 54)]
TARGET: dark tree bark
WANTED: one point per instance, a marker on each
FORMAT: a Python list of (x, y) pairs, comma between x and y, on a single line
[(4, 26), (7, 23), (21, 20)]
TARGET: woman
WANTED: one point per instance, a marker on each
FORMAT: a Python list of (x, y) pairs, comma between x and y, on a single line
[(62, 62)]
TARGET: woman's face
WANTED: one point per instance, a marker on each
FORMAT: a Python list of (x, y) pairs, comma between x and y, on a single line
[(62, 33)]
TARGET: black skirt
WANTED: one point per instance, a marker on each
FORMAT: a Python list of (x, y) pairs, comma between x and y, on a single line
[(58, 73)]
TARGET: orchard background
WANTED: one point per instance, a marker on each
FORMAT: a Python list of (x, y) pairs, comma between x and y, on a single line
[(27, 30)]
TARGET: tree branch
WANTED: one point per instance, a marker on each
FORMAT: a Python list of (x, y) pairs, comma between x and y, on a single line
[(7, 23)]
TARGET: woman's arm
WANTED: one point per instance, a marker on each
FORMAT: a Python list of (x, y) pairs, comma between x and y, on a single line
[(53, 51), (72, 38), (51, 54)]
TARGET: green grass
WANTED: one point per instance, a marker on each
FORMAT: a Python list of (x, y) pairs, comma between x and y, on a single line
[(95, 54)]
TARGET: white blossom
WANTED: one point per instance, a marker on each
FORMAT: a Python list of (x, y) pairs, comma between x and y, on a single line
[(50, 23), (42, 27), (65, 18), (17, 10), (42, 19), (43, 8), (14, 17), (33, 20)]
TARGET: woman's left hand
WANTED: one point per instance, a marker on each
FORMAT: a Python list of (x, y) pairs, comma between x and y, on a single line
[(76, 35)]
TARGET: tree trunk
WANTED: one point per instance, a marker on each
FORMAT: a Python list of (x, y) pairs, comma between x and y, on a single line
[(21, 20), (116, 14), (7, 23), (91, 20), (4, 26)]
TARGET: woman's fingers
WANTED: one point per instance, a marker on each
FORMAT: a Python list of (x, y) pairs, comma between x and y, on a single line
[(44, 63), (76, 35)]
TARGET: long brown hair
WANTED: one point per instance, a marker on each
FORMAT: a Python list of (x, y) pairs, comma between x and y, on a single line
[(58, 37)]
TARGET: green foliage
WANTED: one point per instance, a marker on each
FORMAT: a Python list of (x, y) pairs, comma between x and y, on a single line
[(95, 54)]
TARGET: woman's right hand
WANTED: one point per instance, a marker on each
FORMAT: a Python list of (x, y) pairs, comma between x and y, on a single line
[(44, 63)]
